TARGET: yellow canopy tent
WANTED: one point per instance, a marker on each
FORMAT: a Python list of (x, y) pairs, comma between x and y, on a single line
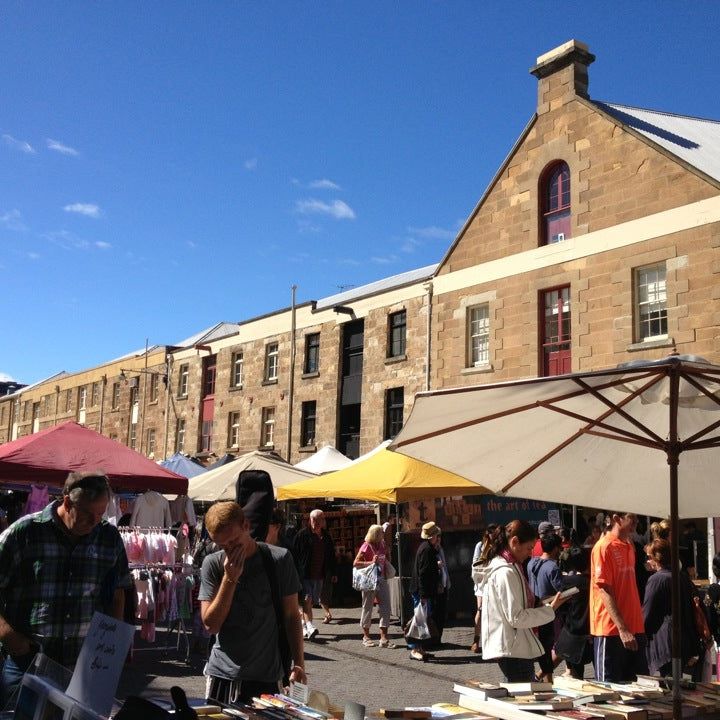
[(385, 476)]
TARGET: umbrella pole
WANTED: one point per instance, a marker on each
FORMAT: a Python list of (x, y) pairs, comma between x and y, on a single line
[(673, 458), (399, 571)]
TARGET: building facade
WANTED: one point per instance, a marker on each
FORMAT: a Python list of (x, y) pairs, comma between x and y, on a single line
[(597, 242)]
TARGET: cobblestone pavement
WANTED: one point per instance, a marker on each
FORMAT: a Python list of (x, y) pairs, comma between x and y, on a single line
[(339, 665)]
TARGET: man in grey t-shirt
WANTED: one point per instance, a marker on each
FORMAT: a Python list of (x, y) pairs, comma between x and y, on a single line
[(237, 606)]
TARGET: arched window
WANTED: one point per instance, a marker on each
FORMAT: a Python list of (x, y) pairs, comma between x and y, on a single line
[(555, 193)]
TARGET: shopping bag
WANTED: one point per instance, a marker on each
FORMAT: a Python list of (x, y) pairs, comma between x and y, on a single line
[(365, 578), (390, 571), (417, 628)]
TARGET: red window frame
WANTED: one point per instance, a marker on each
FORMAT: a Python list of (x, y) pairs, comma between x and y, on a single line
[(555, 351), (556, 203)]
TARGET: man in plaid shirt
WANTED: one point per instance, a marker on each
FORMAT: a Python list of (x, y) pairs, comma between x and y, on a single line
[(57, 567)]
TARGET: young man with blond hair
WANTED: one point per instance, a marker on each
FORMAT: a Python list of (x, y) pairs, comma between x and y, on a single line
[(246, 588)]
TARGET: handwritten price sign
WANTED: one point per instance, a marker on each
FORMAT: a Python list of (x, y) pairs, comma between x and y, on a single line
[(101, 660)]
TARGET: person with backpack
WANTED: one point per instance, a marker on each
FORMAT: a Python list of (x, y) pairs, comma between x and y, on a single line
[(249, 600)]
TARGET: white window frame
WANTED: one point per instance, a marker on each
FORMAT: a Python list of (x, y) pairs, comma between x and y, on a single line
[(267, 431), (180, 428), (237, 371), (650, 283), (234, 429), (478, 335), (272, 360), (151, 443), (183, 380)]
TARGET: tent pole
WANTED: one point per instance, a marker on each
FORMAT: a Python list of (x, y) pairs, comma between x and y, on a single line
[(399, 572)]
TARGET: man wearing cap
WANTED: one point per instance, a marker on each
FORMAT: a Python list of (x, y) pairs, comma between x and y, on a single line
[(426, 582), (57, 567), (544, 528)]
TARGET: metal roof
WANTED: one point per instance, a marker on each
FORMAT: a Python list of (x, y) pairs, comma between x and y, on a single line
[(214, 332), (694, 140), (389, 283)]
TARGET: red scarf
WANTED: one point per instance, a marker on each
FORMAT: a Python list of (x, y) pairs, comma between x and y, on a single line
[(507, 555)]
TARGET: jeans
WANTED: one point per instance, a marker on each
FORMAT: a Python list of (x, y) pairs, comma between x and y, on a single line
[(12, 674), (517, 669)]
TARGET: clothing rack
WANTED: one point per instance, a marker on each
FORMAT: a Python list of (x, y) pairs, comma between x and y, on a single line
[(178, 625)]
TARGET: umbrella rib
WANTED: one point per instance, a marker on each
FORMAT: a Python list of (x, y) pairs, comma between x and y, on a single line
[(512, 411), (702, 445), (596, 423), (617, 407), (632, 440), (587, 430)]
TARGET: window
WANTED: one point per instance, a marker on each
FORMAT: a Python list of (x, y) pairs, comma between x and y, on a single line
[(115, 396), (267, 432), (151, 442), (394, 404), (651, 302), (555, 329), (307, 423), (68, 401), (209, 374), (132, 440), (134, 393), (95, 394), (206, 431), (82, 398), (555, 195), (180, 435), (271, 361), (478, 334), (154, 384), (233, 429), (183, 376), (397, 323), (236, 370), (312, 353), (25, 407)]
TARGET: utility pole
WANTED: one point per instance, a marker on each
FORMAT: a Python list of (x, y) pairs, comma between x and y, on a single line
[(291, 384)]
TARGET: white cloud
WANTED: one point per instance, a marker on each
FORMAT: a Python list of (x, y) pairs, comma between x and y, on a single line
[(192, 245), (306, 226), (432, 232), (349, 261), (102, 245), (87, 209), (12, 220), (384, 260), (251, 164), (19, 145), (409, 245), (4, 377), (67, 240), (33, 255), (324, 184), (63, 149), (337, 209)]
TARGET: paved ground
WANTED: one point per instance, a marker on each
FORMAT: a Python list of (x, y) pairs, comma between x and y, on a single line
[(338, 665)]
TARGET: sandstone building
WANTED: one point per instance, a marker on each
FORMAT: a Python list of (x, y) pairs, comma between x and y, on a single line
[(596, 242)]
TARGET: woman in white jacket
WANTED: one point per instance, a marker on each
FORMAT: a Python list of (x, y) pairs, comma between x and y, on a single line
[(509, 611)]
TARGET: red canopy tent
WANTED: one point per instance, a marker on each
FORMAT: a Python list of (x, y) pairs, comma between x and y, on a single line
[(49, 455)]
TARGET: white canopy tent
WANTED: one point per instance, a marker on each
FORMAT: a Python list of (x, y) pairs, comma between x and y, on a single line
[(325, 460)]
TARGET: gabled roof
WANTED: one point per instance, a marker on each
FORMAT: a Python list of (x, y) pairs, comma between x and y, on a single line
[(389, 283), (694, 140), (214, 332), (25, 388)]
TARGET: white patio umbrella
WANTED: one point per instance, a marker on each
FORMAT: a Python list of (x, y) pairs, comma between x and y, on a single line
[(643, 437)]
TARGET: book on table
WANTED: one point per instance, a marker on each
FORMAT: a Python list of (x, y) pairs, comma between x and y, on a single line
[(481, 690), (575, 714), (536, 702), (527, 687)]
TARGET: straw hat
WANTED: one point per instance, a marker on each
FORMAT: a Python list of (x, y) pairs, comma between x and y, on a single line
[(429, 529)]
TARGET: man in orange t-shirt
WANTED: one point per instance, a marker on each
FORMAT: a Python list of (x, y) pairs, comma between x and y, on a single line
[(616, 619)]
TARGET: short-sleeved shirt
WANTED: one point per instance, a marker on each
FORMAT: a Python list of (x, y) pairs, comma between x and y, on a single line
[(52, 583), (612, 567), (367, 553), (247, 643)]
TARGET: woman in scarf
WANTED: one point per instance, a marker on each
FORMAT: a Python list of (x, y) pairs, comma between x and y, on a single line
[(509, 612)]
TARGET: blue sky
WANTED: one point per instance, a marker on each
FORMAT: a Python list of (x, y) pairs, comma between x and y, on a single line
[(168, 165)]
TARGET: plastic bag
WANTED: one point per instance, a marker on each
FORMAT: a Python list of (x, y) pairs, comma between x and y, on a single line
[(418, 627), (364, 579), (390, 571)]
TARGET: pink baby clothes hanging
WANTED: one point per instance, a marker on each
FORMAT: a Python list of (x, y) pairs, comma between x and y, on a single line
[(37, 499)]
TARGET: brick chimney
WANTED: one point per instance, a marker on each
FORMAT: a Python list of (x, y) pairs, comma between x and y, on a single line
[(562, 74)]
